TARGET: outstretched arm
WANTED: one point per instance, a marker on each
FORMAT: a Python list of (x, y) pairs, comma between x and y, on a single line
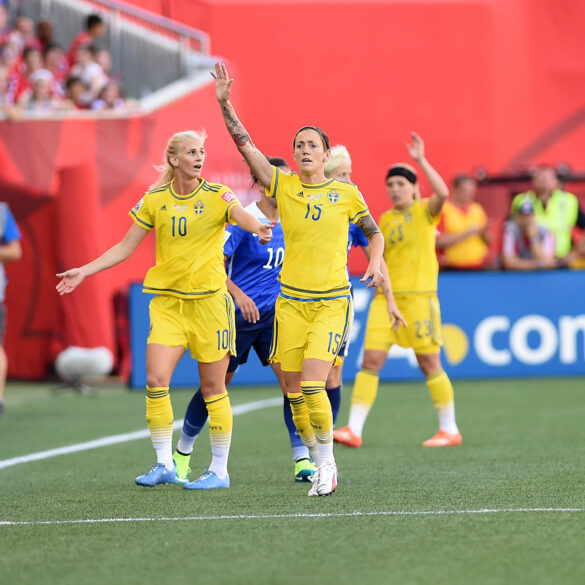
[(439, 187), (249, 223), (71, 279), (257, 162)]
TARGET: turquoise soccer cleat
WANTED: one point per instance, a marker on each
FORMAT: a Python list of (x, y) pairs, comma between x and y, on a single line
[(182, 468), (304, 470), (158, 474), (208, 481)]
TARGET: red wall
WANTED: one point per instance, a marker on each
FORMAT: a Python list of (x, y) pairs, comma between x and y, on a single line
[(492, 83)]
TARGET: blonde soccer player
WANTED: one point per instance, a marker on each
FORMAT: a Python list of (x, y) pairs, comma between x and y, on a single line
[(338, 166), (192, 308), (314, 305), (409, 230)]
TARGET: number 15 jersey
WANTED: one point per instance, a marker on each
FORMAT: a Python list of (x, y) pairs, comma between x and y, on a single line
[(315, 221)]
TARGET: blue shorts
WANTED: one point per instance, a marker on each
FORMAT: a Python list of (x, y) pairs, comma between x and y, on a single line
[(257, 335)]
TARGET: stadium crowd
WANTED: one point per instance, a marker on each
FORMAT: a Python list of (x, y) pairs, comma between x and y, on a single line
[(38, 74)]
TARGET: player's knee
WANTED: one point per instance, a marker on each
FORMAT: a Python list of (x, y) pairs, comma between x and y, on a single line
[(373, 360), (156, 380)]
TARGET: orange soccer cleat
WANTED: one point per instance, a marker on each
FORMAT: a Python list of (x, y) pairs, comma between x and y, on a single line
[(345, 436), (443, 439)]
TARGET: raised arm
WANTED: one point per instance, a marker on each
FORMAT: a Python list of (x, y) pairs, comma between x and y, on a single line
[(71, 279), (257, 162), (439, 187), (377, 269)]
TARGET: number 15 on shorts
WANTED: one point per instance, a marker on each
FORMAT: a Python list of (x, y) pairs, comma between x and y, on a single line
[(334, 341)]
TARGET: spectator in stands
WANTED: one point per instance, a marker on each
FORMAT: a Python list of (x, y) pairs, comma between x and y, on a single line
[(89, 72), (4, 29), (10, 250), (24, 33), (526, 244), (56, 62), (463, 232), (75, 92), (40, 96), (45, 33), (32, 60), (95, 29), (555, 208), (109, 98)]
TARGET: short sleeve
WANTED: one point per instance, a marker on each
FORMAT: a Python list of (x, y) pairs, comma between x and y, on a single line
[(272, 191), (11, 231), (432, 219), (142, 215), (357, 237), (229, 200), (234, 235), (358, 207)]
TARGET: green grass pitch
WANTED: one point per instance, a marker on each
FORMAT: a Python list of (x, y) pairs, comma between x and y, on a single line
[(475, 514)]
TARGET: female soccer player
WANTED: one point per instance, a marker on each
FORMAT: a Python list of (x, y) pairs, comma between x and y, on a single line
[(192, 308), (339, 167), (409, 230), (253, 271), (313, 308)]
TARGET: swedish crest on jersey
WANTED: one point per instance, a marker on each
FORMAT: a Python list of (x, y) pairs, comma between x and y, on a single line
[(198, 207), (333, 196)]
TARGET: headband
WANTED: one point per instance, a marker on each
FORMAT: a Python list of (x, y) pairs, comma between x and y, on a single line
[(402, 172)]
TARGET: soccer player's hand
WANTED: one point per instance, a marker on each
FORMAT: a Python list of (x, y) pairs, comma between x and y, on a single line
[(373, 275), (264, 233), (248, 308), (395, 317), (223, 83), (417, 148), (70, 280)]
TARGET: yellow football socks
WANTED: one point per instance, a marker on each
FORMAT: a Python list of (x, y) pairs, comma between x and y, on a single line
[(441, 391), (220, 432), (300, 416), (321, 418), (159, 416), (364, 393)]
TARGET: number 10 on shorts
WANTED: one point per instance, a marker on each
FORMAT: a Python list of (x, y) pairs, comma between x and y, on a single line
[(222, 339)]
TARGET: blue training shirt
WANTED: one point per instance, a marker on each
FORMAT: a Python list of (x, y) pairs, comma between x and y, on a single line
[(253, 267)]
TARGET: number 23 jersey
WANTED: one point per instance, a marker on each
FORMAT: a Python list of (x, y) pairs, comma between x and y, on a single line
[(315, 221), (409, 248), (189, 238)]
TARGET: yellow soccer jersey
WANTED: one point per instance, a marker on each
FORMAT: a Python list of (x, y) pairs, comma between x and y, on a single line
[(315, 221), (409, 250), (189, 238)]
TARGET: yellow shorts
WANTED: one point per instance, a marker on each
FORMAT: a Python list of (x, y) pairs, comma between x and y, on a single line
[(309, 329), (206, 326), (421, 312)]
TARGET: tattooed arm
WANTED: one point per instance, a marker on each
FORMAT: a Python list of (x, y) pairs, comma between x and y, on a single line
[(257, 162), (377, 269)]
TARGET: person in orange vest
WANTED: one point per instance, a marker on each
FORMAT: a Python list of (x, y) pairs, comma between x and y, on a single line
[(463, 231)]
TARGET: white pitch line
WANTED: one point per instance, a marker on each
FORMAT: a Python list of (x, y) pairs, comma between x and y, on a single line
[(355, 514), (124, 438)]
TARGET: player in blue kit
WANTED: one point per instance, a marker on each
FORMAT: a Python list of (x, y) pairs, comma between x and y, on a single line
[(253, 271)]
